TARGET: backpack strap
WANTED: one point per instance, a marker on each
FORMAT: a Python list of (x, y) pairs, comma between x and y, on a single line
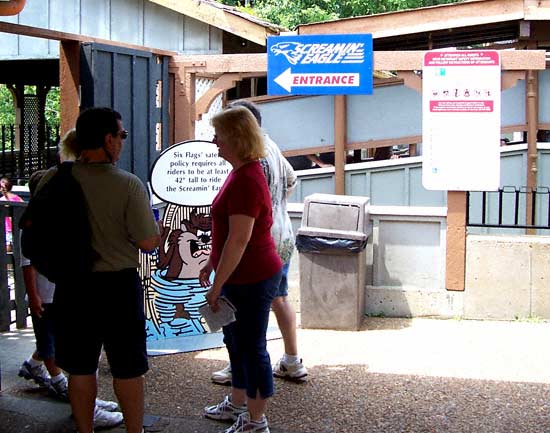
[(65, 168)]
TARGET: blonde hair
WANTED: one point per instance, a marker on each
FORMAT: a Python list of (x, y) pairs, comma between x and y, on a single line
[(68, 146), (237, 127)]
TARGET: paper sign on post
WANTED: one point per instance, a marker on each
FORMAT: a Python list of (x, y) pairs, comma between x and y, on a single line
[(461, 120)]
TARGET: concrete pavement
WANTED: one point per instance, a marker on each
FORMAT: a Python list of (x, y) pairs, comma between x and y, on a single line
[(393, 376)]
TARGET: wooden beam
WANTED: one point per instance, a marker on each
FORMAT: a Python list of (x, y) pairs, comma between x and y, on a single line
[(383, 61), (531, 105), (223, 83), (37, 32), (455, 267), (443, 17), (222, 63), (340, 141), (220, 18), (69, 77), (537, 10)]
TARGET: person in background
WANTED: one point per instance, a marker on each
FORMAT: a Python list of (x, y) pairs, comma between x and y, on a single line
[(68, 147), (247, 270), (5, 188), (107, 309), (281, 180), (381, 153)]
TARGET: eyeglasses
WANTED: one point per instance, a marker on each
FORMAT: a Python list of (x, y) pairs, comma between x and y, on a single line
[(123, 134)]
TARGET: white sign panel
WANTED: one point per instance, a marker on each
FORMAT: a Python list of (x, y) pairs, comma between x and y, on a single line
[(189, 173), (461, 120)]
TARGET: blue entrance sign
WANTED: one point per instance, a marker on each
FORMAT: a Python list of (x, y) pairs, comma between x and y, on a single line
[(319, 64)]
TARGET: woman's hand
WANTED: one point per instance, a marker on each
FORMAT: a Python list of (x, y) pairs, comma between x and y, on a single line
[(212, 297), (204, 275)]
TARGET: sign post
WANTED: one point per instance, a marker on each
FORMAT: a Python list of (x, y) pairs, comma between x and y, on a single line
[(319, 64)]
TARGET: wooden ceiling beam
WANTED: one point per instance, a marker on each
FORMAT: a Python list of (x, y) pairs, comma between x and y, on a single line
[(442, 17), (383, 61), (225, 82), (37, 32), (220, 18)]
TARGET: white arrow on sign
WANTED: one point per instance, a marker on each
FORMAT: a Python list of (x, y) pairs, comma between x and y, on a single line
[(287, 80)]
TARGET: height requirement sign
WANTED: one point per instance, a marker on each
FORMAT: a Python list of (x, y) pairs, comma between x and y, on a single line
[(461, 120), (319, 64)]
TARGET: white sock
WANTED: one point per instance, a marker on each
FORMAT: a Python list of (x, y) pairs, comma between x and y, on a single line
[(57, 378), (33, 362), (291, 359)]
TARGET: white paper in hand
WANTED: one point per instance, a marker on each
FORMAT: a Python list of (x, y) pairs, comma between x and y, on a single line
[(224, 316)]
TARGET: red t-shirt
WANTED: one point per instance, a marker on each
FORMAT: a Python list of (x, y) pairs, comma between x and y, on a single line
[(245, 192)]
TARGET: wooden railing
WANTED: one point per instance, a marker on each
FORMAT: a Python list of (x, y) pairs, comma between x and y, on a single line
[(13, 305)]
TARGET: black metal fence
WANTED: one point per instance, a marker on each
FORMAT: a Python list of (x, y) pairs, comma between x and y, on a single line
[(507, 208), (35, 151)]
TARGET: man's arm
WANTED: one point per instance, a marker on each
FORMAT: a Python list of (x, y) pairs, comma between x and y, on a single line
[(150, 244)]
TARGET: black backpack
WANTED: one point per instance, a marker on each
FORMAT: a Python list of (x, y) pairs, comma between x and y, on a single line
[(55, 230)]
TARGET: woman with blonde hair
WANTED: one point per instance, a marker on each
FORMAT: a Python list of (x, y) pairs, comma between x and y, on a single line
[(68, 147), (247, 270)]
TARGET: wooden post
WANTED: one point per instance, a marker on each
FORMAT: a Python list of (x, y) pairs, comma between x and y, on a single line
[(532, 129), (340, 141), (69, 79), (456, 241)]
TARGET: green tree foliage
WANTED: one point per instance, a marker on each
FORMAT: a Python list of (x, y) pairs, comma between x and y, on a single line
[(7, 110), (291, 13), (52, 106)]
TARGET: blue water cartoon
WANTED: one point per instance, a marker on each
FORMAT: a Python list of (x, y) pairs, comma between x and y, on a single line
[(173, 292)]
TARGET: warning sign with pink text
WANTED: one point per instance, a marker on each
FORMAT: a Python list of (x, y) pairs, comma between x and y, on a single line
[(461, 120)]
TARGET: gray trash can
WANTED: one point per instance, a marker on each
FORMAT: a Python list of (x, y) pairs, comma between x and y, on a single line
[(332, 252)]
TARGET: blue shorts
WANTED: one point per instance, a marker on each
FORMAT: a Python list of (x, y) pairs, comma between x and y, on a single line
[(282, 290), (43, 332), (103, 310)]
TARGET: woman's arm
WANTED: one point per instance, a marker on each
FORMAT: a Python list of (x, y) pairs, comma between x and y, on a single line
[(240, 231), (291, 179)]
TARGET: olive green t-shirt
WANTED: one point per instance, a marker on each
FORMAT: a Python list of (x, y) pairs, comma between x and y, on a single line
[(119, 212)]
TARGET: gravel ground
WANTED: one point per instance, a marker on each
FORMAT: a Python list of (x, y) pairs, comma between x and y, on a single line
[(395, 375)]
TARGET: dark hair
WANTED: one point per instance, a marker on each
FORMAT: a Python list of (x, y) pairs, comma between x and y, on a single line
[(253, 108), (35, 179), (6, 184), (94, 124)]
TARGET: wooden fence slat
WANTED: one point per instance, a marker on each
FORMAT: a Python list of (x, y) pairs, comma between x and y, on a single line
[(4, 287)]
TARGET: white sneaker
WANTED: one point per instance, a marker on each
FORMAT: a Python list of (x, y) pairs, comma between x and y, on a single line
[(106, 419), (295, 372), (224, 411), (110, 406), (59, 389), (39, 374), (245, 424), (222, 377)]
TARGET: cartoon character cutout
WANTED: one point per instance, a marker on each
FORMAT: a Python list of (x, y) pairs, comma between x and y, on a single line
[(188, 247), (174, 293)]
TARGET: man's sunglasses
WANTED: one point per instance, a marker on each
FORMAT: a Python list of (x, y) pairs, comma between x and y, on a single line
[(123, 134)]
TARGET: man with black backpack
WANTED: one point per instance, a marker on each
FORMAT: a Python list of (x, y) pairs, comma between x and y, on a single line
[(103, 307)]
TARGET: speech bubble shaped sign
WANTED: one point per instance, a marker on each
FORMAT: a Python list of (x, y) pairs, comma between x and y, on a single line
[(189, 173)]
